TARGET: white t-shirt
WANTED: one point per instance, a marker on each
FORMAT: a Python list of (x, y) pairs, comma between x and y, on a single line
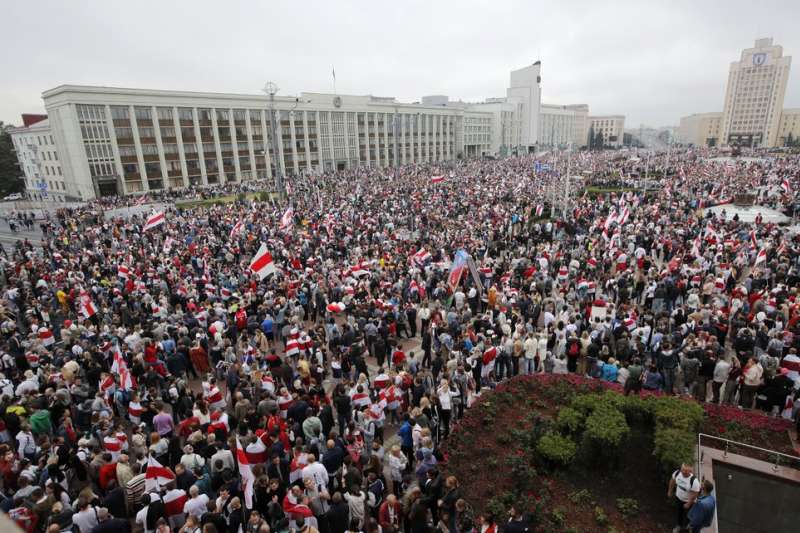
[(685, 485), (196, 506)]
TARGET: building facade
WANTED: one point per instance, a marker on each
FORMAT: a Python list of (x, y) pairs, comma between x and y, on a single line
[(610, 127), (525, 90), (563, 126), (39, 162), (700, 129), (119, 141), (754, 96), (789, 130)]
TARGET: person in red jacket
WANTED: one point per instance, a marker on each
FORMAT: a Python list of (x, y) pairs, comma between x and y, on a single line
[(390, 515)]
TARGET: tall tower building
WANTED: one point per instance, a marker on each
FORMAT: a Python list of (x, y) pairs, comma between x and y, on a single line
[(754, 96), (525, 90)]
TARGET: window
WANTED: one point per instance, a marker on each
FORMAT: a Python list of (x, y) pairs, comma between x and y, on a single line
[(204, 114), (255, 116), (170, 148), (164, 113), (152, 169), (222, 115), (146, 133), (239, 115), (167, 132), (124, 133), (190, 148), (185, 113), (127, 151), (187, 132), (119, 112), (143, 113)]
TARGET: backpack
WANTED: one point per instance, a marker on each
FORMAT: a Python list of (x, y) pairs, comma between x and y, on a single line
[(574, 350)]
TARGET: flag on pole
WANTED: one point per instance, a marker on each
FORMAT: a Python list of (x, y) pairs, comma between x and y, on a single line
[(155, 220), (288, 218), (120, 368), (246, 472), (238, 227), (156, 475), (539, 210), (142, 199), (262, 264), (787, 188), (459, 265), (761, 257), (88, 310)]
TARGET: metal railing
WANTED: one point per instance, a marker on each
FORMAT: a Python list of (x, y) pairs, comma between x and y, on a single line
[(728, 443)]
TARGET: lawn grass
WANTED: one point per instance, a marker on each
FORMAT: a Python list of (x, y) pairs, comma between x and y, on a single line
[(220, 200)]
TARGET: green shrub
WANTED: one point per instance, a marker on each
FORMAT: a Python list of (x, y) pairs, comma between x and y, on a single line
[(638, 409), (557, 448), (585, 403), (628, 506), (570, 419), (673, 447), (600, 516), (678, 414), (559, 516), (579, 497), (606, 427), (241, 197), (504, 439)]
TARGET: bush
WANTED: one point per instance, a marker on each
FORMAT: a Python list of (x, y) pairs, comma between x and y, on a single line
[(606, 427), (241, 197), (600, 516), (559, 516), (679, 414), (557, 448), (628, 506), (264, 196), (638, 409), (673, 447), (580, 497), (570, 419)]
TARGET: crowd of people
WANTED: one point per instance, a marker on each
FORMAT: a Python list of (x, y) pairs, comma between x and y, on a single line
[(153, 377)]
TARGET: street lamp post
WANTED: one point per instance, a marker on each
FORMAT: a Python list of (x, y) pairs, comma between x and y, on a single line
[(272, 89)]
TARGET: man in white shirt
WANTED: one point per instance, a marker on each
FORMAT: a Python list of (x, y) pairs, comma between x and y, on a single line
[(317, 472), (721, 371), (86, 517), (26, 443), (684, 487), (196, 504)]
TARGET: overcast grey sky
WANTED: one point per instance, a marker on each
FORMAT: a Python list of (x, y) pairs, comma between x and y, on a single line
[(653, 61)]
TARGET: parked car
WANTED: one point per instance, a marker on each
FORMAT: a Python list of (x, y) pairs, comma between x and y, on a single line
[(14, 196)]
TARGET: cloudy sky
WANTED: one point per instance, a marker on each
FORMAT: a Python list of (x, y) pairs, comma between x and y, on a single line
[(653, 61)]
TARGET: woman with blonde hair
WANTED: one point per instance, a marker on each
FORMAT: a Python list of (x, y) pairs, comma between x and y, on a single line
[(397, 464)]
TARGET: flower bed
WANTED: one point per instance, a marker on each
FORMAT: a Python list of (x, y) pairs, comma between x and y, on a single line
[(580, 456)]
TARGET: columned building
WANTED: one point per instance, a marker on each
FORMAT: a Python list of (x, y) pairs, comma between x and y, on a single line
[(119, 141)]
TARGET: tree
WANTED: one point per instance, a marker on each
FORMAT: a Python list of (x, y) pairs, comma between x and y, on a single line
[(598, 140), (9, 170), (591, 137)]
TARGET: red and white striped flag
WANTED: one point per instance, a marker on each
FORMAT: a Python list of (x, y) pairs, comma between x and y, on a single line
[(422, 256), (246, 472), (288, 218), (539, 210), (155, 220), (88, 310), (142, 199), (787, 188), (437, 179), (174, 500), (257, 452), (123, 271), (156, 475), (46, 336), (120, 368), (262, 264), (236, 229), (762, 256), (336, 307), (753, 238)]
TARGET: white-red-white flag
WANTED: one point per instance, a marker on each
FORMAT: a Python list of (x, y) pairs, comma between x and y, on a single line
[(762, 256), (156, 475), (246, 472), (236, 229), (437, 179), (120, 368), (787, 188), (46, 336), (155, 220), (262, 264), (123, 272), (288, 218), (88, 310)]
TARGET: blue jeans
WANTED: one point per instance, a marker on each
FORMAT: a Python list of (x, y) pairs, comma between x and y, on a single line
[(669, 379), (528, 366)]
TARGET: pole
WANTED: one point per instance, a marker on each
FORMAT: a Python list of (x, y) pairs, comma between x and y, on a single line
[(271, 89), (566, 186)]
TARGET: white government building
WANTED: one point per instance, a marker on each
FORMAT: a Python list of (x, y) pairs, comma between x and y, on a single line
[(753, 113), (106, 141)]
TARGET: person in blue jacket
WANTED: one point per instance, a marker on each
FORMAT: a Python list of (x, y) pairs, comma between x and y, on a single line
[(406, 434), (701, 515)]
